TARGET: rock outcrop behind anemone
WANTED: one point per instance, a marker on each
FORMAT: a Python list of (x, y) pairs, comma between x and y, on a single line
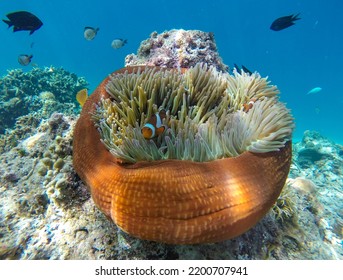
[(177, 48)]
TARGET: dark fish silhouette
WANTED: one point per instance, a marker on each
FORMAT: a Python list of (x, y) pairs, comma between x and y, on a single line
[(244, 69), (23, 21), (24, 59), (284, 22)]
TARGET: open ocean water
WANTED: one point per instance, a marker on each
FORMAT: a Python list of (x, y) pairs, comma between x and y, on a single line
[(296, 59)]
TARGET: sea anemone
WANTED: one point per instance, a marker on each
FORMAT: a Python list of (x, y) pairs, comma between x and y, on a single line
[(213, 173), (284, 209), (205, 116)]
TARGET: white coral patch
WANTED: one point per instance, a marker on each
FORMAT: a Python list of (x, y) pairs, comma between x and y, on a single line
[(29, 143)]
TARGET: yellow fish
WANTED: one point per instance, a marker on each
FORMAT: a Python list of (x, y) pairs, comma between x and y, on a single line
[(82, 96), (154, 126)]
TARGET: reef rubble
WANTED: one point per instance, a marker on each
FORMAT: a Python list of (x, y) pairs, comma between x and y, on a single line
[(46, 211)]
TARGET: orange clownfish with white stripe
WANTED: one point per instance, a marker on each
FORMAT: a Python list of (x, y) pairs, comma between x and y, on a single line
[(154, 126), (249, 105)]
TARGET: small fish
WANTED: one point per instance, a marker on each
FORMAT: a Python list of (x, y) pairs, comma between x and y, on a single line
[(90, 32), (118, 43), (23, 21), (154, 126), (244, 69), (249, 105), (24, 59), (315, 90), (82, 96), (284, 22)]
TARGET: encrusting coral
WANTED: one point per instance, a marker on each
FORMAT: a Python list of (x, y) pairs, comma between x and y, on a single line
[(215, 172)]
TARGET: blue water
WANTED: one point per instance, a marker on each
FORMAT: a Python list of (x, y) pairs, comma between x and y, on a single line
[(306, 55)]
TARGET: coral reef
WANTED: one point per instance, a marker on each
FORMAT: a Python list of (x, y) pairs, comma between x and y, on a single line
[(46, 211), (51, 215), (326, 175), (177, 48), (25, 92), (24, 126)]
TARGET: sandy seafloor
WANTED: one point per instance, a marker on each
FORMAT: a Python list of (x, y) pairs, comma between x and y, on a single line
[(46, 211)]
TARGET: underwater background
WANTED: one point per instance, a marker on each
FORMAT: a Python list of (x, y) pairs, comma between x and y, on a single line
[(46, 211), (296, 59)]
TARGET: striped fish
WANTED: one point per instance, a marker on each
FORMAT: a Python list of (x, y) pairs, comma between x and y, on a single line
[(154, 126)]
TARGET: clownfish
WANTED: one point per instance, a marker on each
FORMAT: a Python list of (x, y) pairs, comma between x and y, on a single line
[(154, 126), (248, 106)]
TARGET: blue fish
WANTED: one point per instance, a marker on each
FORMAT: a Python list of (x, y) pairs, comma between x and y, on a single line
[(315, 90)]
